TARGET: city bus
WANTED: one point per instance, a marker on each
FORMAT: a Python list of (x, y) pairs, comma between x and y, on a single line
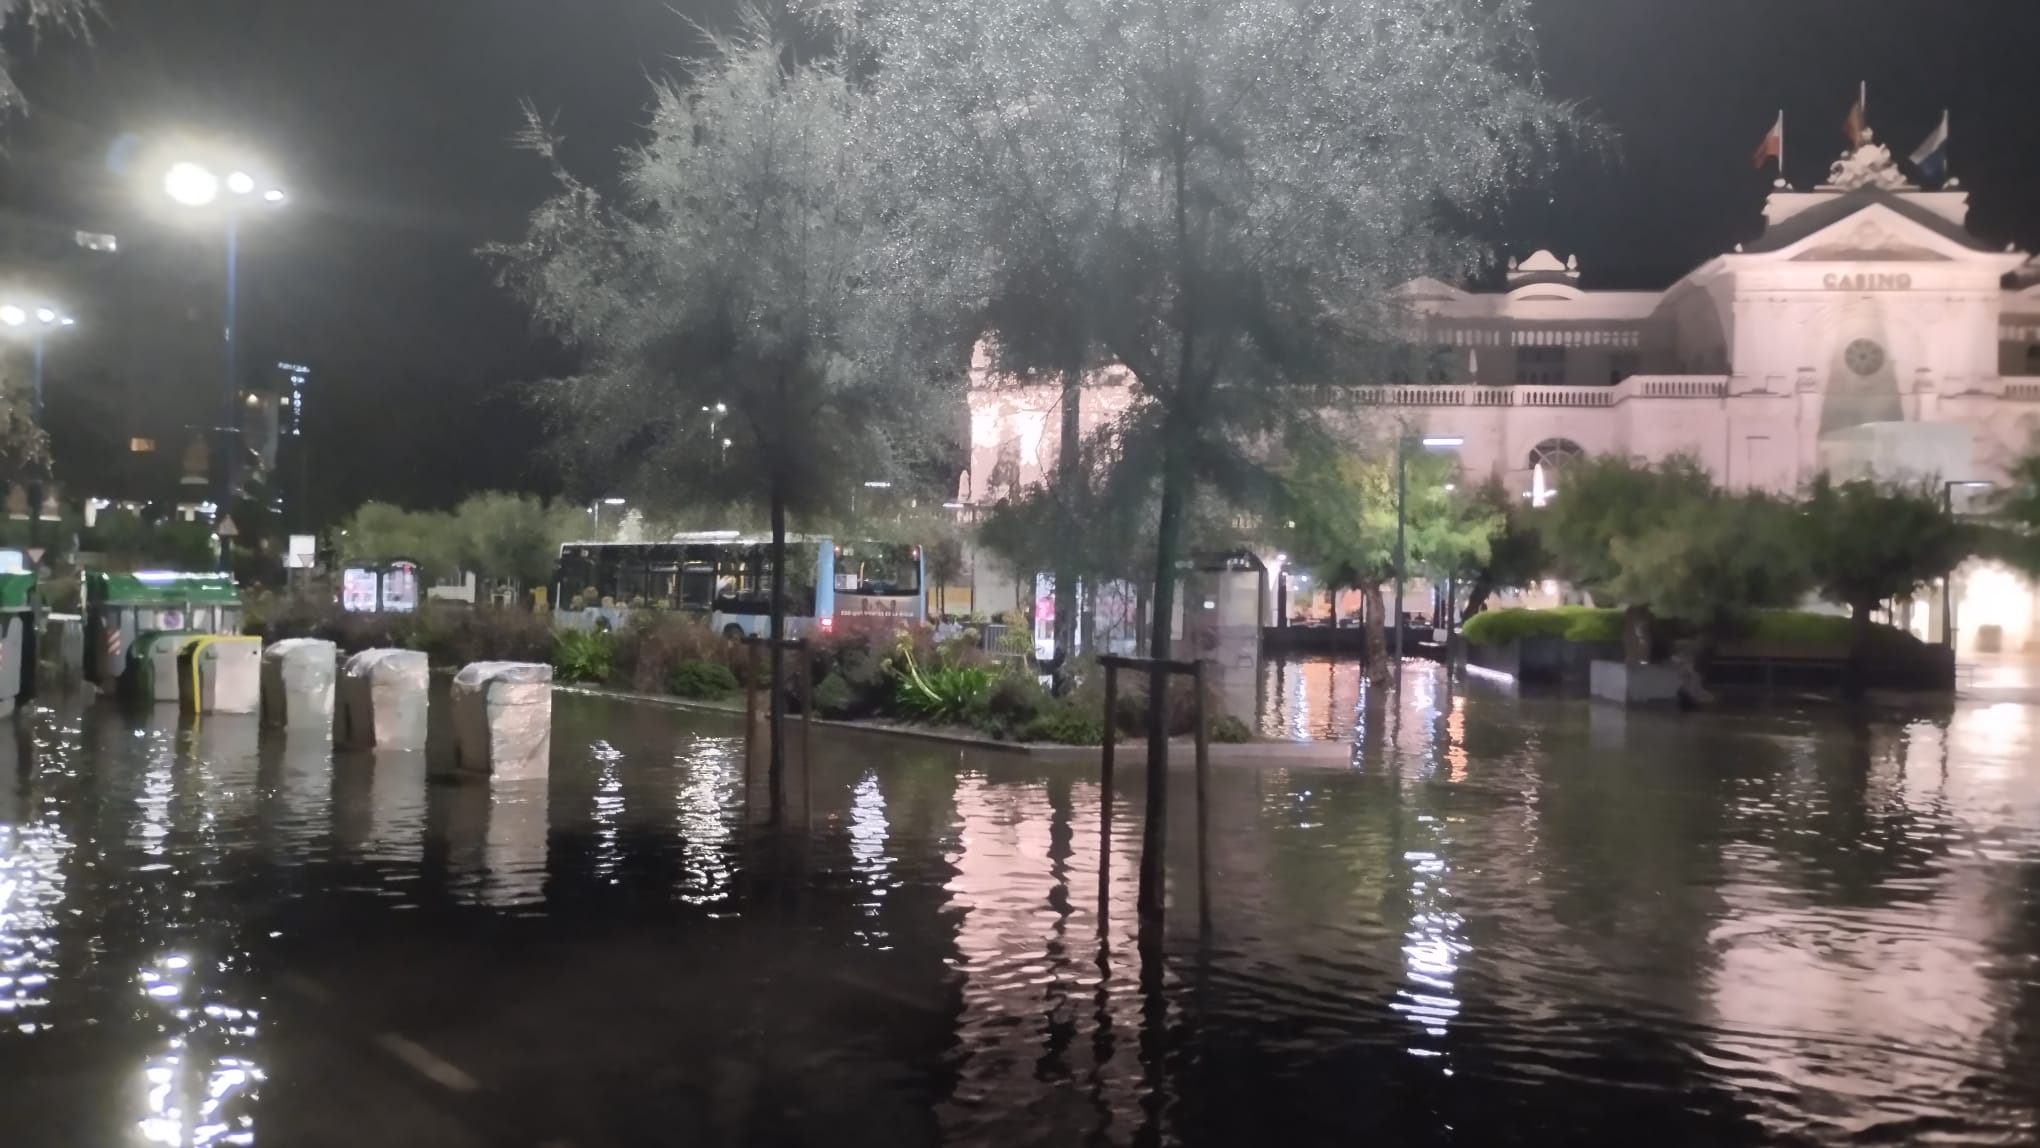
[(725, 578)]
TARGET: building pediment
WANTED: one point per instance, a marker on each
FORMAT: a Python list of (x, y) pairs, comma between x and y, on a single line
[(1875, 233), (1870, 227)]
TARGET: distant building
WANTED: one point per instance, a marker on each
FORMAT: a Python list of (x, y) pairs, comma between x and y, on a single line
[(1864, 331)]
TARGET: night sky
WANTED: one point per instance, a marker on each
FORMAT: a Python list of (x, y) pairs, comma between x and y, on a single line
[(390, 122)]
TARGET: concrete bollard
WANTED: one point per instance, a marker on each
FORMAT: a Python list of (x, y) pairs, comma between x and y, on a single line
[(380, 701), (297, 683), (502, 719)]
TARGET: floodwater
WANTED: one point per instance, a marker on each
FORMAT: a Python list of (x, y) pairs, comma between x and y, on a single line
[(1507, 921)]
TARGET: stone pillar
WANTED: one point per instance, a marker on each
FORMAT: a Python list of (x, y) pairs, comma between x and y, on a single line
[(502, 719), (380, 701), (297, 683)]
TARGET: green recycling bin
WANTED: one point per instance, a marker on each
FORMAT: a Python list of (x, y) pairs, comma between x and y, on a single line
[(152, 666), (17, 640), (119, 608)]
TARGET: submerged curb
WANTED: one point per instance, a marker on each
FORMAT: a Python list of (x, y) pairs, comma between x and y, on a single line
[(1131, 751)]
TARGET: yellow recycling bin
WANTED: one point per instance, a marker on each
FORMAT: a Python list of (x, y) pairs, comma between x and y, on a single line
[(218, 675)]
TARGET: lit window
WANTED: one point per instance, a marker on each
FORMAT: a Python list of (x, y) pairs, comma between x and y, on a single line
[(141, 445)]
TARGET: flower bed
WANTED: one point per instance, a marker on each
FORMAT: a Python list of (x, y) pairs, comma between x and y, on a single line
[(864, 669)]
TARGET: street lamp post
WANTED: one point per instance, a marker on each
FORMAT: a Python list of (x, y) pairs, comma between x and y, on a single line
[(195, 186), (1948, 580), (43, 319), (595, 508), (1402, 444)]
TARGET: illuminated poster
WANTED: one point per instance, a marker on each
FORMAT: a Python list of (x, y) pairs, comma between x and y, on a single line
[(400, 588), (358, 590)]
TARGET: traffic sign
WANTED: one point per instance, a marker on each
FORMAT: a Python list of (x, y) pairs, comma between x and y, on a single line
[(226, 528)]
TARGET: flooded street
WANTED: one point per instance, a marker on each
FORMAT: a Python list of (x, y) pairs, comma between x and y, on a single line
[(1510, 920)]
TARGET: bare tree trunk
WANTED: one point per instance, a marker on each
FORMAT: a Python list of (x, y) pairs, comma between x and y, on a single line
[(1856, 675), (776, 769), (1066, 479), (1377, 636), (1477, 595), (1638, 635)]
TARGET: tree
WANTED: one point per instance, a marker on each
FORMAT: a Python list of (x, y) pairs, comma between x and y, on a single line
[(1238, 187), (39, 16), (512, 537), (1343, 503), (1516, 554), (727, 295), (380, 532), (1712, 560), (2017, 507), (1609, 500), (1868, 543)]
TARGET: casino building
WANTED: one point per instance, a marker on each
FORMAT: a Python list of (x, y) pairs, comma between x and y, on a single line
[(1862, 330)]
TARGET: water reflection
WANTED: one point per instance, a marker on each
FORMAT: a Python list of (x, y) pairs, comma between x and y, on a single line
[(1502, 914), (33, 849)]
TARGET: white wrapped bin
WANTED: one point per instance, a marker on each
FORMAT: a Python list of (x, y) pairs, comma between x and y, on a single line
[(297, 683), (380, 701), (502, 719)]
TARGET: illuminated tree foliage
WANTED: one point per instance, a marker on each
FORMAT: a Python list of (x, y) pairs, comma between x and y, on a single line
[(1868, 543), (1343, 503), (37, 17), (1236, 187), (738, 346)]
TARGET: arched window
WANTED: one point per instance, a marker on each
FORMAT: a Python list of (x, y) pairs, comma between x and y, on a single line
[(1555, 454)]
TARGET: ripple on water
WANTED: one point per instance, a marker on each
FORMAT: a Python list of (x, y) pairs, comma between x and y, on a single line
[(1507, 914)]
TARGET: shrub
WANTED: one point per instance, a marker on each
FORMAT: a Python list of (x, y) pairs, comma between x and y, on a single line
[(1802, 628), (834, 698), (1012, 705), (582, 656), (1572, 623), (1064, 723), (654, 643), (945, 696), (695, 678), (457, 635), (1795, 628), (1229, 730)]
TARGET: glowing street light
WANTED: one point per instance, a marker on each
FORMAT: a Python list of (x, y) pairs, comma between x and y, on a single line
[(40, 318), (595, 508), (190, 184), (1402, 444), (194, 185)]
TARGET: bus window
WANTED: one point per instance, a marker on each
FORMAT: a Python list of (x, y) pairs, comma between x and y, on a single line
[(881, 570)]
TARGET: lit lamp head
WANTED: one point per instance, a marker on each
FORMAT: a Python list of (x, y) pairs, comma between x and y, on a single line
[(191, 185), (12, 316)]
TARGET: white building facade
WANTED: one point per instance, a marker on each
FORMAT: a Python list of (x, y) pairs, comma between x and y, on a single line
[(1863, 331)]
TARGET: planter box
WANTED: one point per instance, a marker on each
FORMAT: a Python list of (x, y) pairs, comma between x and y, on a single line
[(1657, 684), (1543, 659)]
